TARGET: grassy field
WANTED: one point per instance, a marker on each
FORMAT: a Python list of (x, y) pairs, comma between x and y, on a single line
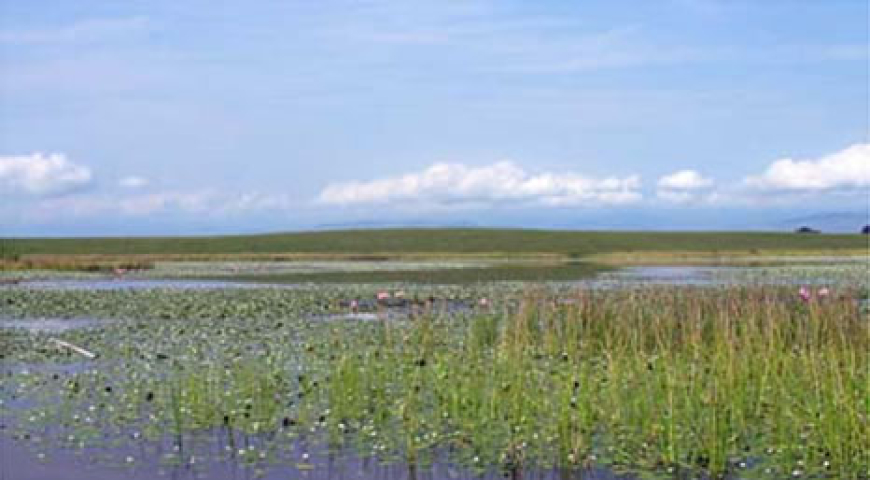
[(393, 242)]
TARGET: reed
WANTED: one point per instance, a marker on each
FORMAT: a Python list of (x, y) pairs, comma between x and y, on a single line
[(72, 264), (658, 380)]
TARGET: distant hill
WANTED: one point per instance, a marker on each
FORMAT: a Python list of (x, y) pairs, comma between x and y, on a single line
[(377, 224), (834, 222)]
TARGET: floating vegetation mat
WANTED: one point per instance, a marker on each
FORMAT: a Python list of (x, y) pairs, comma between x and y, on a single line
[(493, 381), (834, 273), (112, 283), (212, 268)]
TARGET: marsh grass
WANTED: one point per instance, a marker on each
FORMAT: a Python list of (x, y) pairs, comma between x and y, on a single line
[(747, 382), (671, 381), (71, 264)]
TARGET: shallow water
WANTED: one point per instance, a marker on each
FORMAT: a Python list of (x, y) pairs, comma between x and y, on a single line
[(833, 271), (670, 275), (212, 268), (23, 461), (20, 459), (51, 325), (48, 368), (396, 313), (131, 284), (701, 276)]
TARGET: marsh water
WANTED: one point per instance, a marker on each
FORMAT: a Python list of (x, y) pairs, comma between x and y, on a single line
[(51, 325), (816, 270), (112, 283), (23, 463), (29, 458)]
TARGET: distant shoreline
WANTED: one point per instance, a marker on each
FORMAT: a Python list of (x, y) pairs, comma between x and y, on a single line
[(389, 244)]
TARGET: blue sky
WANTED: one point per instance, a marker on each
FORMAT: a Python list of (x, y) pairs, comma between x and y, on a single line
[(201, 116)]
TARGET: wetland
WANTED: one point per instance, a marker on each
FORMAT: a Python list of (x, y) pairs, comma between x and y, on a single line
[(253, 370)]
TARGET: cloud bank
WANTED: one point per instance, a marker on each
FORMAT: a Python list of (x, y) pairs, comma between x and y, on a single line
[(846, 170), (445, 184), (37, 188), (38, 174), (201, 203)]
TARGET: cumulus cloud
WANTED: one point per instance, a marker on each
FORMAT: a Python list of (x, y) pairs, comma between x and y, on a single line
[(845, 170), (684, 180), (447, 184), (133, 182), (684, 186), (39, 174)]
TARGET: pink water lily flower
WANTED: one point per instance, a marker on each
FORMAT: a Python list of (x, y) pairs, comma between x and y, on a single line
[(483, 302), (823, 292), (805, 294), (383, 295)]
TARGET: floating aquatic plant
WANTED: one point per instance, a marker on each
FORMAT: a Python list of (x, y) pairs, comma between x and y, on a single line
[(746, 381)]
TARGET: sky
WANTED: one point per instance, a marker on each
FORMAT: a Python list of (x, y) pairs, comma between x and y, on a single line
[(197, 117)]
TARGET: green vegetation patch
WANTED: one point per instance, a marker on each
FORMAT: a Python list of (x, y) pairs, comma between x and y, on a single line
[(531, 272), (397, 241)]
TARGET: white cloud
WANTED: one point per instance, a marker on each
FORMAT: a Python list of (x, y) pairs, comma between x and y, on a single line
[(847, 169), (784, 182), (136, 205), (187, 202), (256, 201), (201, 203), (684, 186), (39, 174), (448, 184), (684, 180), (133, 182)]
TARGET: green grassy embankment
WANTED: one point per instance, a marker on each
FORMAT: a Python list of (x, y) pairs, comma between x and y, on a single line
[(444, 241)]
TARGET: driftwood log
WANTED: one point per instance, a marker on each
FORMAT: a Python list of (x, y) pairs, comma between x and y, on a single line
[(74, 348)]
